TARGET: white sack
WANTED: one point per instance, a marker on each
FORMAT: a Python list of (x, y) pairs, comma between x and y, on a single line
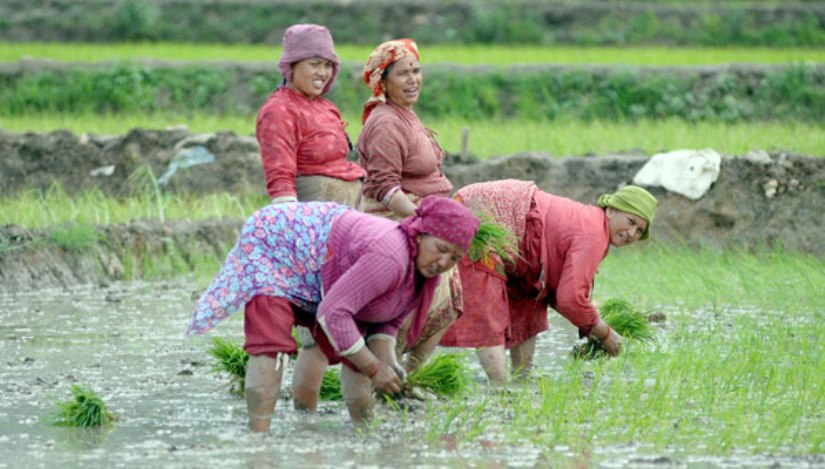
[(686, 172)]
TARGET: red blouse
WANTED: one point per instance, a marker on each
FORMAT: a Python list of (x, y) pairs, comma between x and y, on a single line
[(299, 136)]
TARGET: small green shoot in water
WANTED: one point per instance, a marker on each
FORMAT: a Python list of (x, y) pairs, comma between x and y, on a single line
[(623, 318), (86, 410), (231, 359)]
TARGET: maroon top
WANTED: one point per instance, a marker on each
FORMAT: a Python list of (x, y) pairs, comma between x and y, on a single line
[(396, 150)]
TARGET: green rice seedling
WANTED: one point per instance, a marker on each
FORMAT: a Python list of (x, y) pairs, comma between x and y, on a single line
[(446, 374), (74, 237), (492, 239), (623, 318), (331, 386), (85, 410), (231, 359)]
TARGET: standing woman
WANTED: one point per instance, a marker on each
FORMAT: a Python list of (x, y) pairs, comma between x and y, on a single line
[(304, 150), (351, 278), (560, 245), (403, 165)]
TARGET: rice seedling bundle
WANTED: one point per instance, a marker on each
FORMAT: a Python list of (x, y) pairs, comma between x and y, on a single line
[(85, 410), (231, 359), (629, 322), (492, 239), (446, 375)]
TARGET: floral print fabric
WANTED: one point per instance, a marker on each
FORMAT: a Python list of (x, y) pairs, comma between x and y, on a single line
[(280, 252)]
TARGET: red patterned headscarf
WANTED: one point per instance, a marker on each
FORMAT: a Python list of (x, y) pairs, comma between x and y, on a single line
[(382, 57), (443, 218)]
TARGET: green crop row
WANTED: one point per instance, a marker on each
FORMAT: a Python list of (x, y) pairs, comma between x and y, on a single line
[(454, 22), (490, 54), (489, 138), (732, 94)]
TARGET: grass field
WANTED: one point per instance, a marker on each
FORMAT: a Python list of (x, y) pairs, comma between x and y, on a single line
[(496, 138), (495, 55)]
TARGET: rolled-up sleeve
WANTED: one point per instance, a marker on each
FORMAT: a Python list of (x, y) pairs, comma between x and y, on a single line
[(371, 276), (384, 156), (278, 135), (575, 285)]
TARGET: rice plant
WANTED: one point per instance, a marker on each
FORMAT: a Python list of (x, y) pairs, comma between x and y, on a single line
[(492, 238), (231, 359), (331, 386), (446, 375), (85, 410), (624, 319)]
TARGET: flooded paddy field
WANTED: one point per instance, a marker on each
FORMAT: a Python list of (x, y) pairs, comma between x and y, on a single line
[(712, 393)]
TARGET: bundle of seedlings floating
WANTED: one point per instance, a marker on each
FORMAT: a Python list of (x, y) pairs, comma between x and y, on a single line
[(629, 322), (445, 375), (492, 238), (231, 359), (85, 410)]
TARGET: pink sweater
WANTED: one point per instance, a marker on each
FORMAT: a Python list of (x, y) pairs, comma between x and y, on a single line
[(368, 279), (576, 240), (396, 150)]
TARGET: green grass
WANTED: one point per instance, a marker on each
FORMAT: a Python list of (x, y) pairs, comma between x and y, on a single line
[(445, 374), (53, 208), (85, 410), (430, 54), (501, 137), (735, 371)]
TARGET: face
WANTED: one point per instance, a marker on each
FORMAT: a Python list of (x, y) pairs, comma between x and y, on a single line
[(625, 228), (436, 255), (403, 83), (310, 76)]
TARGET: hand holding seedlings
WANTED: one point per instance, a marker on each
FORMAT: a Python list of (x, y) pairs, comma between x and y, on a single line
[(610, 339)]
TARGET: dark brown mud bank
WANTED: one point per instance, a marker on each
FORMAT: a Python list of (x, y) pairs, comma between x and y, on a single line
[(757, 200)]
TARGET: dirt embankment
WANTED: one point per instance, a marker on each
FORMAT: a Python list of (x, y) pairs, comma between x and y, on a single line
[(758, 199)]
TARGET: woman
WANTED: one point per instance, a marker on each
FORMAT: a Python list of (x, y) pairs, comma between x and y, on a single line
[(304, 150), (561, 243), (403, 165), (349, 277)]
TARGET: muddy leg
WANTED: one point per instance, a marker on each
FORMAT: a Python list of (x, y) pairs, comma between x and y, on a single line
[(493, 361), (262, 383), (306, 378), (521, 358), (358, 395)]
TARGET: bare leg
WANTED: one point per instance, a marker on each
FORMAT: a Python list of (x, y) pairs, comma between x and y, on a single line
[(357, 390), (262, 383), (306, 378), (419, 354), (521, 358), (493, 361)]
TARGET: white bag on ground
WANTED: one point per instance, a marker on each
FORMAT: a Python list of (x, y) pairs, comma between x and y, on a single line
[(686, 172)]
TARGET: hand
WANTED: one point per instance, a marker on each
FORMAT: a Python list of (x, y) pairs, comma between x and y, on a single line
[(400, 371), (387, 380), (610, 339)]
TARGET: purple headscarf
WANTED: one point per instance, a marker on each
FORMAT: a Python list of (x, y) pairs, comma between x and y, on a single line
[(305, 41), (443, 218)]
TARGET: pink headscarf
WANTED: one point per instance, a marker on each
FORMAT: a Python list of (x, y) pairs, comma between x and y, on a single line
[(443, 218), (305, 41), (382, 57)]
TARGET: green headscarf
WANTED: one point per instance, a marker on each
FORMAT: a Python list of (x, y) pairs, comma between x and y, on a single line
[(635, 200)]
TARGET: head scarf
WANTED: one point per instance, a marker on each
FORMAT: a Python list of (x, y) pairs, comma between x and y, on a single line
[(635, 200), (382, 57), (443, 218), (305, 41)]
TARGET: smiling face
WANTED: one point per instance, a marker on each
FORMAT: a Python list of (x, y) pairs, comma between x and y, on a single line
[(436, 255), (310, 76), (625, 228), (402, 84)]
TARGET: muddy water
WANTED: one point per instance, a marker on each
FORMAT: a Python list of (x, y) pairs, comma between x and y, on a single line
[(126, 342)]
